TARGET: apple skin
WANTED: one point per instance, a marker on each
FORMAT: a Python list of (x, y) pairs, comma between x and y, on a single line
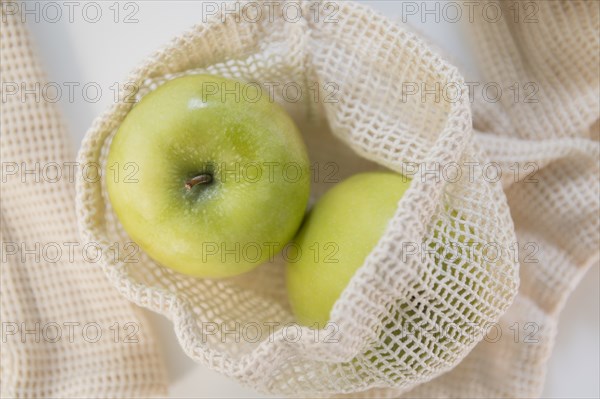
[(251, 148), (345, 225), (354, 215)]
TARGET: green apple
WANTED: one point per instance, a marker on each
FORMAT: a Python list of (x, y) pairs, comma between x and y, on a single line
[(208, 176), (344, 227), (354, 215), (338, 234)]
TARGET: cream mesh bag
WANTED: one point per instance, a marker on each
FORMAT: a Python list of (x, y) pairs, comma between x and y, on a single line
[(393, 289), (62, 322), (445, 294)]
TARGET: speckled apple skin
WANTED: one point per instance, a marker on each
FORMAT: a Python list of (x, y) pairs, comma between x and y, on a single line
[(189, 126)]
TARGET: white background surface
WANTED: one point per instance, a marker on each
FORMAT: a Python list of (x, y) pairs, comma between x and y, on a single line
[(104, 52)]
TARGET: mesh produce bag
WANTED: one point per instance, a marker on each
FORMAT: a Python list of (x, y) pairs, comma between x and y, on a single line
[(61, 318), (552, 137), (446, 295), (369, 124)]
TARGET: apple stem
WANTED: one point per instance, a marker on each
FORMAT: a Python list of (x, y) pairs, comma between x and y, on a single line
[(200, 179)]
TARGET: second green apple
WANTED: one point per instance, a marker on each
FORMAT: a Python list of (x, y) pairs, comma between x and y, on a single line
[(351, 217), (354, 215)]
